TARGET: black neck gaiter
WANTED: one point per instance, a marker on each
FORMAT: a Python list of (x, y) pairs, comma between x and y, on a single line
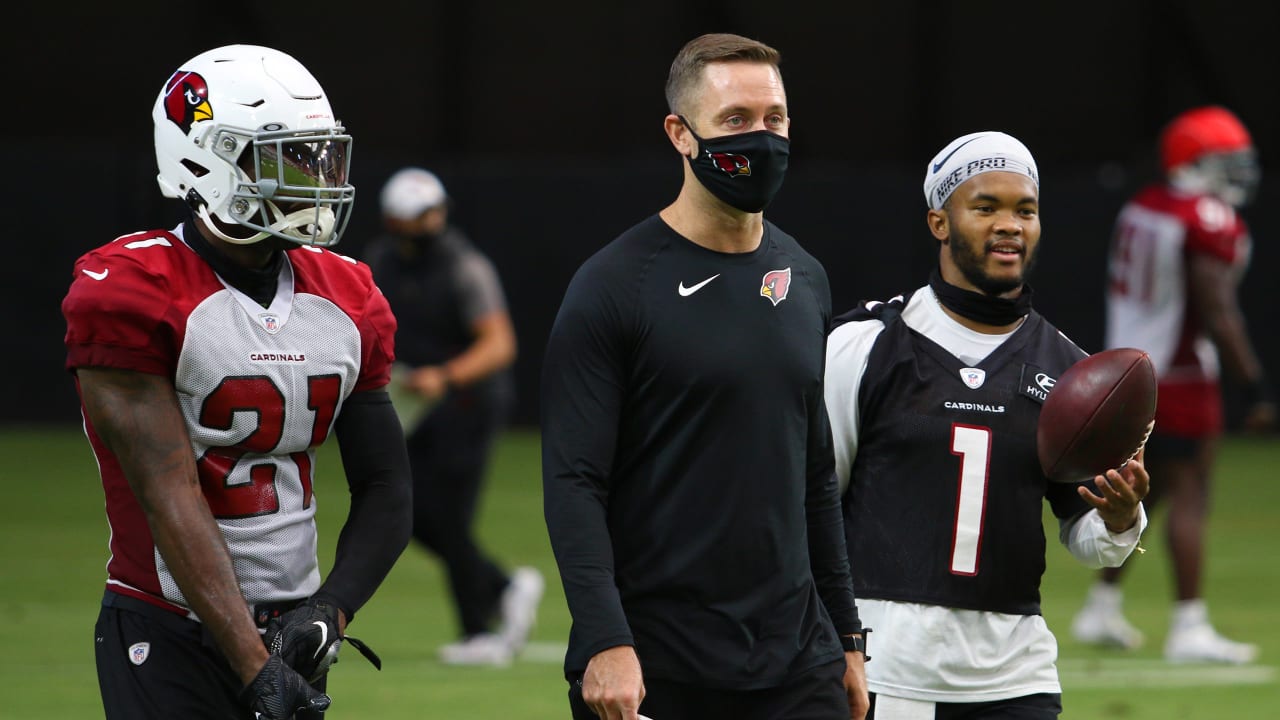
[(979, 307), (257, 283)]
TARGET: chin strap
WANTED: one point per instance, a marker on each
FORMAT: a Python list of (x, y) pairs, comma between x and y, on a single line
[(289, 226), (200, 209), (321, 219), (211, 223)]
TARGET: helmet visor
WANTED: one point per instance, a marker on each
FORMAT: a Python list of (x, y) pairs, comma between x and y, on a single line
[(303, 167)]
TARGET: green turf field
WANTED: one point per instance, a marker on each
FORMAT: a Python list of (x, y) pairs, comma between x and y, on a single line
[(54, 535)]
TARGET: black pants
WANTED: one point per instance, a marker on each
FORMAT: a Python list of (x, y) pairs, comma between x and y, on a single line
[(156, 665), (818, 694), (449, 456), (1042, 706)]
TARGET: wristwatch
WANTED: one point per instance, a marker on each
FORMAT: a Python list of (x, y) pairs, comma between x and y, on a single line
[(854, 643)]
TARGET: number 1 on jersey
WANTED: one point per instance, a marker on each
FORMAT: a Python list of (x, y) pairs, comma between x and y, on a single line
[(973, 444)]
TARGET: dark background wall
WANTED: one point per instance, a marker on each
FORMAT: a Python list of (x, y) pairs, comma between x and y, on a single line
[(544, 121)]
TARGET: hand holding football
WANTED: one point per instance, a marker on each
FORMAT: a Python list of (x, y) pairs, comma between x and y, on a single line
[(1097, 416)]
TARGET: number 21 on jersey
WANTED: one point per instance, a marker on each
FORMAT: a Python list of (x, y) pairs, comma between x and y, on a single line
[(261, 396)]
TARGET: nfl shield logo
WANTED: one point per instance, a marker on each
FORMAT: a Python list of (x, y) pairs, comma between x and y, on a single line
[(269, 323), (973, 377), (138, 652)]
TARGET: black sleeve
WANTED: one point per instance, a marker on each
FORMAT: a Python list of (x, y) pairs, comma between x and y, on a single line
[(582, 397), (380, 520), (828, 557)]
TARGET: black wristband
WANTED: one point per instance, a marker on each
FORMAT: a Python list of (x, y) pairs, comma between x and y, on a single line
[(853, 643)]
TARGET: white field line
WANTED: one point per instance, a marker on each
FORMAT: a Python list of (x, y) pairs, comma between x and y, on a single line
[(1074, 673), (543, 652), (1116, 673)]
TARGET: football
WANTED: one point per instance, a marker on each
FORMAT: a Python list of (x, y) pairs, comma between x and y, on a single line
[(1097, 416)]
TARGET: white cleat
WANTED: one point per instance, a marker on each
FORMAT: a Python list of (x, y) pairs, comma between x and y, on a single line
[(1105, 630), (1202, 644), (520, 607), (487, 649), (1101, 622)]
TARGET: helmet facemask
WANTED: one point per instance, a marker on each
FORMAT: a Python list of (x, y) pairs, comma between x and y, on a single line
[(291, 185), (1232, 177)]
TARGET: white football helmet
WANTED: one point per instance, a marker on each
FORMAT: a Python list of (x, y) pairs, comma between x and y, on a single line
[(245, 135)]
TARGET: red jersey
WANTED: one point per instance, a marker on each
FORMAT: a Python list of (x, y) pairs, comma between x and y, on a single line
[(259, 388), (1148, 297)]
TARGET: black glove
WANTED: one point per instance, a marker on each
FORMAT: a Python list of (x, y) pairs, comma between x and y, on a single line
[(277, 692), (307, 639)]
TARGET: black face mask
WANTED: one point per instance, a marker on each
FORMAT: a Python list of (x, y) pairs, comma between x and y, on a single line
[(744, 170)]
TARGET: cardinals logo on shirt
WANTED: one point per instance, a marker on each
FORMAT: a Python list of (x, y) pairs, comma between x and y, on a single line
[(775, 285), (186, 99), (731, 163)]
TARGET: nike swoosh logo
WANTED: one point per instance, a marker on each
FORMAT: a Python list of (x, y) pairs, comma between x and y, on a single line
[(97, 275), (687, 291), (324, 637), (938, 165)]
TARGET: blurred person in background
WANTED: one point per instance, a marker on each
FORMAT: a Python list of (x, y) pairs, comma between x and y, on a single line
[(453, 387), (1178, 253), (211, 360)]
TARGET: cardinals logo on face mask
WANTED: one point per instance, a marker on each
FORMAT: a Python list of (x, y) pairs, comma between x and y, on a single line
[(744, 170), (731, 163), (186, 100), (775, 285)]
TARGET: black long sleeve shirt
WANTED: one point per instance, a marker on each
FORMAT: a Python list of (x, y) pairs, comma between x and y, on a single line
[(688, 473)]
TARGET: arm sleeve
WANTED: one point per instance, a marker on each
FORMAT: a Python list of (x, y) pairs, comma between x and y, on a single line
[(380, 519), (828, 556), (1089, 540), (583, 385)]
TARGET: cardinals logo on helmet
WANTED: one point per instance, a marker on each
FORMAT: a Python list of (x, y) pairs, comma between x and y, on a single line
[(186, 99), (775, 285), (731, 163)]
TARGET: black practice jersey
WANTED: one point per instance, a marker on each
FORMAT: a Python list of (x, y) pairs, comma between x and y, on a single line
[(687, 462), (945, 490)]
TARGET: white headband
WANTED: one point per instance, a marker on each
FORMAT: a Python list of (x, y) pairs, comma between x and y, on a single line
[(974, 154)]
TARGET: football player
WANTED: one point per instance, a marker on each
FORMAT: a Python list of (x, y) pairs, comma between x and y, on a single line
[(1178, 253), (934, 398), (211, 360)]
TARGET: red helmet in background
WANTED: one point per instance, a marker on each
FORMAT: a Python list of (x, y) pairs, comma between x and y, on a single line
[(1208, 149), (1203, 130)]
